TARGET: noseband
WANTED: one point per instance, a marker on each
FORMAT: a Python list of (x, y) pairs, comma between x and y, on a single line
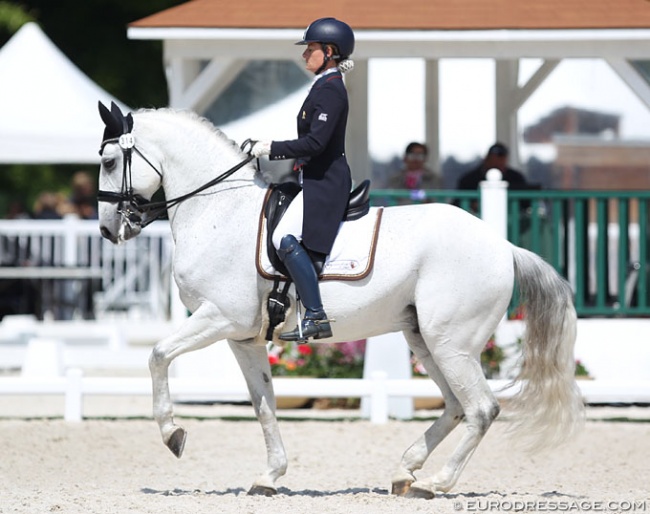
[(137, 211)]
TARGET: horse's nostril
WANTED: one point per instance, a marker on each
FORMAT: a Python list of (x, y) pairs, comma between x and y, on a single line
[(106, 233)]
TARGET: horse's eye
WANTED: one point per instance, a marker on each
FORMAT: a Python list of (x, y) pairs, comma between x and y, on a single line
[(109, 164)]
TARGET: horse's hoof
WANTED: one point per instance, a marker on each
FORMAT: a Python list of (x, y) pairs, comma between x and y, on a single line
[(402, 487), (176, 442), (416, 492), (261, 490)]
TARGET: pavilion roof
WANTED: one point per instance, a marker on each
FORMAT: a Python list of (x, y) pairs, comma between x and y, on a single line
[(407, 14)]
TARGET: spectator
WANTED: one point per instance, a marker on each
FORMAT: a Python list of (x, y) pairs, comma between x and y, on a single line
[(17, 211), (414, 175), (84, 196), (496, 157), (48, 206)]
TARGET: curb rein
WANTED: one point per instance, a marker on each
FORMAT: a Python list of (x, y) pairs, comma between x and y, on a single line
[(134, 208)]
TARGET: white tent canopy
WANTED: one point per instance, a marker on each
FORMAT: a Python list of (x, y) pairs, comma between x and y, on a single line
[(48, 107)]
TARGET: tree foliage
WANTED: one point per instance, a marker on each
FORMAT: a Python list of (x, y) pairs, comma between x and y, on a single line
[(92, 34), (12, 17)]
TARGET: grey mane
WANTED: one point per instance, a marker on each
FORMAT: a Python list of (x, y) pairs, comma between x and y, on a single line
[(207, 124), (191, 115)]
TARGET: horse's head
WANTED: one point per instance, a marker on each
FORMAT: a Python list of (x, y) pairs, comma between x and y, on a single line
[(127, 179)]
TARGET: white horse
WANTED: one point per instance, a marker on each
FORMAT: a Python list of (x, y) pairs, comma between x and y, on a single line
[(441, 276)]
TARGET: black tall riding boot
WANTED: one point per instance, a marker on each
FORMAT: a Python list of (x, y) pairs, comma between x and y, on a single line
[(315, 323)]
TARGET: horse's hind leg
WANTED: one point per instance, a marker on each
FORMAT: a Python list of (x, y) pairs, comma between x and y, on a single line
[(464, 375), (415, 456), (198, 331), (254, 363)]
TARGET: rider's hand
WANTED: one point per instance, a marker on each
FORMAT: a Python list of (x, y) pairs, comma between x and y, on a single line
[(261, 148)]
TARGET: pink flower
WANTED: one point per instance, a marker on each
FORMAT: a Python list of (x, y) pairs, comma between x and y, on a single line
[(353, 349)]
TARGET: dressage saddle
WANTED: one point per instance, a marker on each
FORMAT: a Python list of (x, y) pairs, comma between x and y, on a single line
[(278, 201)]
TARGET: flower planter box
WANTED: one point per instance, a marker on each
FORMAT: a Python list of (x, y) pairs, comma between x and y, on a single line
[(432, 403), (292, 402)]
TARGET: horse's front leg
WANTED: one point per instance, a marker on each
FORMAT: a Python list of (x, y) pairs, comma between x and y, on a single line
[(254, 363), (198, 331)]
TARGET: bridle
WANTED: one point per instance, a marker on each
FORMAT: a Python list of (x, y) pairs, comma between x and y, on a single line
[(134, 208)]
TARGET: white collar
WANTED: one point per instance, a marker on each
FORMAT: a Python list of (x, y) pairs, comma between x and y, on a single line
[(327, 72), (320, 75)]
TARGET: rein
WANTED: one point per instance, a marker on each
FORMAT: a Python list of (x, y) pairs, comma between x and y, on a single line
[(138, 210)]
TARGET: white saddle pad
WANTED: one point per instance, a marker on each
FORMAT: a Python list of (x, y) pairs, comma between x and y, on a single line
[(352, 255)]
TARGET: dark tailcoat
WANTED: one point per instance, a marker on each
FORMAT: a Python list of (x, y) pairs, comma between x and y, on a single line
[(320, 149)]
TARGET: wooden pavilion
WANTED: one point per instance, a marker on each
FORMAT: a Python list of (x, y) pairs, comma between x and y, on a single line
[(208, 42)]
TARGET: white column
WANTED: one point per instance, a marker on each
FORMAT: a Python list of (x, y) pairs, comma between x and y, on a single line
[(357, 137), (432, 112), (494, 202), (180, 73), (506, 91)]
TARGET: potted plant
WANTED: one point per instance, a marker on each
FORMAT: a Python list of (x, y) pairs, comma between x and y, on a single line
[(318, 360), (582, 373)]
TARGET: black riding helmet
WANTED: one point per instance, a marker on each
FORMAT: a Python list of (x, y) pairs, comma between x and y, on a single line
[(330, 31)]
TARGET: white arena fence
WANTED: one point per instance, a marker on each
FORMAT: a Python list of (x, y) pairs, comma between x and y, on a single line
[(54, 356), (378, 389), (67, 256)]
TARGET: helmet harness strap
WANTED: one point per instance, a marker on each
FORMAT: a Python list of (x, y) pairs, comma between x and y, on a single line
[(326, 58)]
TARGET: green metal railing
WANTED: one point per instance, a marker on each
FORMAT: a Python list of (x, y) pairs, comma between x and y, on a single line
[(598, 240)]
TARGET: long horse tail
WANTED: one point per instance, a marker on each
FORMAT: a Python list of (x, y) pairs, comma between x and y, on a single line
[(548, 408)]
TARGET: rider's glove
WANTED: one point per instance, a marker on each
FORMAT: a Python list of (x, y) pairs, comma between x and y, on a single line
[(261, 148)]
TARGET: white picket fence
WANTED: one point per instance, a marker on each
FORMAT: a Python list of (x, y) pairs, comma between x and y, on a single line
[(377, 389), (51, 356), (74, 386), (132, 277)]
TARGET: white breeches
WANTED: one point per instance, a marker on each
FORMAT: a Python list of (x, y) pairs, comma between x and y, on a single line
[(291, 222)]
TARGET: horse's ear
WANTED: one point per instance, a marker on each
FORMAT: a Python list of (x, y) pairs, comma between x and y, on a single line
[(126, 122), (104, 113), (116, 111), (113, 125), (129, 121)]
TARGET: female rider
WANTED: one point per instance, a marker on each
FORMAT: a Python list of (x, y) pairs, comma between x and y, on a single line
[(310, 225)]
